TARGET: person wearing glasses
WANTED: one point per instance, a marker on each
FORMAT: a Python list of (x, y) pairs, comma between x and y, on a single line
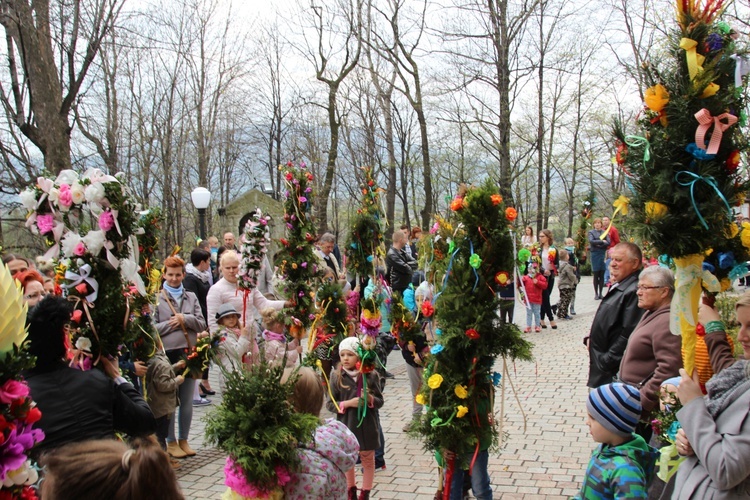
[(32, 285), (653, 353), (617, 316)]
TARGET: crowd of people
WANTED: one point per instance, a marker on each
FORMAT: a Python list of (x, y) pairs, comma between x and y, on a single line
[(632, 355)]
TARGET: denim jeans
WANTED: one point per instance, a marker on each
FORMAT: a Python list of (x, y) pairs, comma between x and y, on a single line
[(533, 315), (480, 479)]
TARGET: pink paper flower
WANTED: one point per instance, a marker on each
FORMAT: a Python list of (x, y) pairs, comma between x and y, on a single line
[(106, 221), (12, 390), (66, 197), (79, 249), (45, 223)]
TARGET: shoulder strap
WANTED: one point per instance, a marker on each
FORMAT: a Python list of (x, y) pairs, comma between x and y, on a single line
[(174, 313)]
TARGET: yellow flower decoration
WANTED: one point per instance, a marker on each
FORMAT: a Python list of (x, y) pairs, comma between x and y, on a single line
[(420, 399), (745, 234), (725, 284), (655, 210), (733, 230), (656, 97), (461, 411), (435, 381), (461, 391)]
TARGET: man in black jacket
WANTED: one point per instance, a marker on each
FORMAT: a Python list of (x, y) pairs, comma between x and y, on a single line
[(399, 266), (617, 316), (78, 405)]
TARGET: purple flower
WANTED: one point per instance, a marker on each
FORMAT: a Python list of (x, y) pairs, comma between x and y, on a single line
[(13, 452), (302, 199), (12, 390), (301, 293), (714, 42), (308, 190), (303, 165), (304, 265), (289, 226)]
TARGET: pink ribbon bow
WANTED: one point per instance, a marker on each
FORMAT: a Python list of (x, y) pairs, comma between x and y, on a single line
[(706, 120)]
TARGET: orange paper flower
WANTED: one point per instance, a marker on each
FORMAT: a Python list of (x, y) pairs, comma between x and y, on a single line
[(457, 204), (656, 97), (496, 199), (511, 214)]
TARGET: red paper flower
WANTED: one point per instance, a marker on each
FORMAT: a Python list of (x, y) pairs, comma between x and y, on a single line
[(33, 415), (700, 330), (472, 334), (511, 214), (502, 278), (82, 288), (457, 204), (733, 161), (496, 199), (622, 153), (76, 316), (289, 176), (427, 309)]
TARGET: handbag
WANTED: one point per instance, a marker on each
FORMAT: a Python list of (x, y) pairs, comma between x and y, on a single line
[(174, 313)]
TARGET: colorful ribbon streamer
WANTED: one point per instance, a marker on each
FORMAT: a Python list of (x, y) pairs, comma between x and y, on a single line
[(708, 180), (621, 205), (637, 141), (684, 311), (694, 59), (706, 121)]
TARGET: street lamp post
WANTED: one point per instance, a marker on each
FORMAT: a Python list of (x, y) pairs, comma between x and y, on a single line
[(201, 198)]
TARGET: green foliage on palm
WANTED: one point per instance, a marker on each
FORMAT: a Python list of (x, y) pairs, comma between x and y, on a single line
[(403, 324), (366, 236), (257, 425), (471, 335), (299, 265), (660, 166)]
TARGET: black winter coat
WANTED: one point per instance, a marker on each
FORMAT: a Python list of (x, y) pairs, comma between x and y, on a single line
[(78, 406), (193, 283), (343, 387), (615, 320), (400, 268)]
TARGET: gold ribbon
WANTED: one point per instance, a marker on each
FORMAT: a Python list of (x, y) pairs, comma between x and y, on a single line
[(621, 205)]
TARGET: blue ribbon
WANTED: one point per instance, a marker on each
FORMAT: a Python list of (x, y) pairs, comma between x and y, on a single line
[(476, 276), (447, 275), (708, 180)]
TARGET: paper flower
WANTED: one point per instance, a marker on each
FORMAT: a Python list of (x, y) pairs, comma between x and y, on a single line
[(461, 392), (472, 334), (733, 230), (745, 234), (655, 210), (45, 223), (656, 97), (461, 411), (502, 278), (94, 193), (427, 309), (733, 160), (496, 199), (77, 193), (420, 399), (475, 261), (524, 254), (83, 344), (511, 214), (436, 349), (457, 204), (65, 198), (106, 221), (700, 330), (438, 331), (435, 381), (13, 390)]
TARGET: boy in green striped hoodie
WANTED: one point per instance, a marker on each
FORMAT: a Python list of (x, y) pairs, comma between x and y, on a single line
[(622, 466)]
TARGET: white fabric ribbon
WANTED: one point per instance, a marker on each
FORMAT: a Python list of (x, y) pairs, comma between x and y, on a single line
[(741, 68), (129, 267), (114, 261), (84, 276), (96, 175), (711, 282), (685, 279)]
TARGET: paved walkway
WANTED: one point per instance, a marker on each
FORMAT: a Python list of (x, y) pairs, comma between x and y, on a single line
[(547, 459)]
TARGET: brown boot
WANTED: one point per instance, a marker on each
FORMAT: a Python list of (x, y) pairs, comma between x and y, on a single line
[(186, 448), (364, 495), (175, 451), (352, 493), (174, 463)]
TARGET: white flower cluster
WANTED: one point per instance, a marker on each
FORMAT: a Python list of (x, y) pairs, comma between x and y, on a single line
[(253, 247)]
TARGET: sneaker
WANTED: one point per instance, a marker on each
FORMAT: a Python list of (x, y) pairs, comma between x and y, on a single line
[(572, 312), (389, 375), (201, 402), (527, 329), (537, 329)]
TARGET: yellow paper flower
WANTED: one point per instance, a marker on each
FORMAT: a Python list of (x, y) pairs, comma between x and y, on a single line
[(420, 399), (725, 284), (733, 230), (656, 97), (655, 210), (12, 313), (621, 205), (461, 411), (461, 391), (434, 381), (745, 235)]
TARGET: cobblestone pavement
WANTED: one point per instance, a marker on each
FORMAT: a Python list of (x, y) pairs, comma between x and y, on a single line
[(548, 444)]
